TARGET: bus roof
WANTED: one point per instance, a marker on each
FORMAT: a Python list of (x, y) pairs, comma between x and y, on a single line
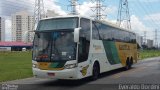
[(100, 21)]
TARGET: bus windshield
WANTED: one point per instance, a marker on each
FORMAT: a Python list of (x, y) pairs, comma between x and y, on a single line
[(54, 41), (54, 46)]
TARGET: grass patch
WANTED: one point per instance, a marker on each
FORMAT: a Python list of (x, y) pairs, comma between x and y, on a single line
[(149, 53), (15, 65)]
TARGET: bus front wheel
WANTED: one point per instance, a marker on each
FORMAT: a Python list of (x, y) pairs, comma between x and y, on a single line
[(96, 71)]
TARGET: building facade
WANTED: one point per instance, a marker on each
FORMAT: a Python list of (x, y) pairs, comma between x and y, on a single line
[(21, 23), (2, 29)]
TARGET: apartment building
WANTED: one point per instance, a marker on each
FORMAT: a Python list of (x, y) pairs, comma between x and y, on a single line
[(22, 22), (2, 29)]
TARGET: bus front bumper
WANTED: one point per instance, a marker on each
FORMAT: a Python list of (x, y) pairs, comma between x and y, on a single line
[(59, 74)]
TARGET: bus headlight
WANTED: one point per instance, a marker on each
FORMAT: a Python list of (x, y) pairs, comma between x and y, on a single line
[(34, 65), (69, 66)]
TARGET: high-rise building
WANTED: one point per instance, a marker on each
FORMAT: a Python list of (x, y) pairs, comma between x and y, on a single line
[(21, 23), (2, 29)]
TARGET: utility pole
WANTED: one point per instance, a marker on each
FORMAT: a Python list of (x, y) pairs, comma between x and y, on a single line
[(39, 12), (73, 4), (98, 9), (123, 18), (156, 41)]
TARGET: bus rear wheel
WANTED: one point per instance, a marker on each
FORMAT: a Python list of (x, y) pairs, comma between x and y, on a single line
[(128, 64), (95, 72), (131, 61)]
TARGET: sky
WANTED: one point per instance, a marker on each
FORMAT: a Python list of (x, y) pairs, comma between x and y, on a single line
[(144, 14)]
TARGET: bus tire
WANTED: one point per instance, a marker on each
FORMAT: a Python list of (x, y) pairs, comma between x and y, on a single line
[(128, 64), (131, 62), (95, 71)]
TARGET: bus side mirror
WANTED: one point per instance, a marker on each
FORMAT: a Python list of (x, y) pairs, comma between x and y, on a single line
[(76, 34)]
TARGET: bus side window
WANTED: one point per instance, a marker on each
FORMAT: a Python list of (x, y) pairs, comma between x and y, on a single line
[(84, 40), (133, 38), (95, 31), (83, 49)]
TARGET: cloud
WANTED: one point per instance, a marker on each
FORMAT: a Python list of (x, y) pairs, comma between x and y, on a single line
[(87, 9), (50, 5), (84, 9), (153, 17), (8, 7), (137, 24), (139, 27)]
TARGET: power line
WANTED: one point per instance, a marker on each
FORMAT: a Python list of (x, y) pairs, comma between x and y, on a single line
[(135, 11), (144, 9), (149, 23), (22, 4), (150, 8)]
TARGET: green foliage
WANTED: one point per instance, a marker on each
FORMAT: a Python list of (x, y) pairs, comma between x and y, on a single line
[(15, 65), (149, 53)]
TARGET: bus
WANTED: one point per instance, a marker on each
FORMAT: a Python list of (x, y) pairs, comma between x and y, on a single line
[(76, 47)]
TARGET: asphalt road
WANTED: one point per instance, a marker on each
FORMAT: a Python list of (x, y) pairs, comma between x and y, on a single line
[(144, 75)]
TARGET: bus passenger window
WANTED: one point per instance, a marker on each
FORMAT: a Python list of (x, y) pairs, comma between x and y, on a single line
[(84, 40), (83, 49), (95, 31)]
